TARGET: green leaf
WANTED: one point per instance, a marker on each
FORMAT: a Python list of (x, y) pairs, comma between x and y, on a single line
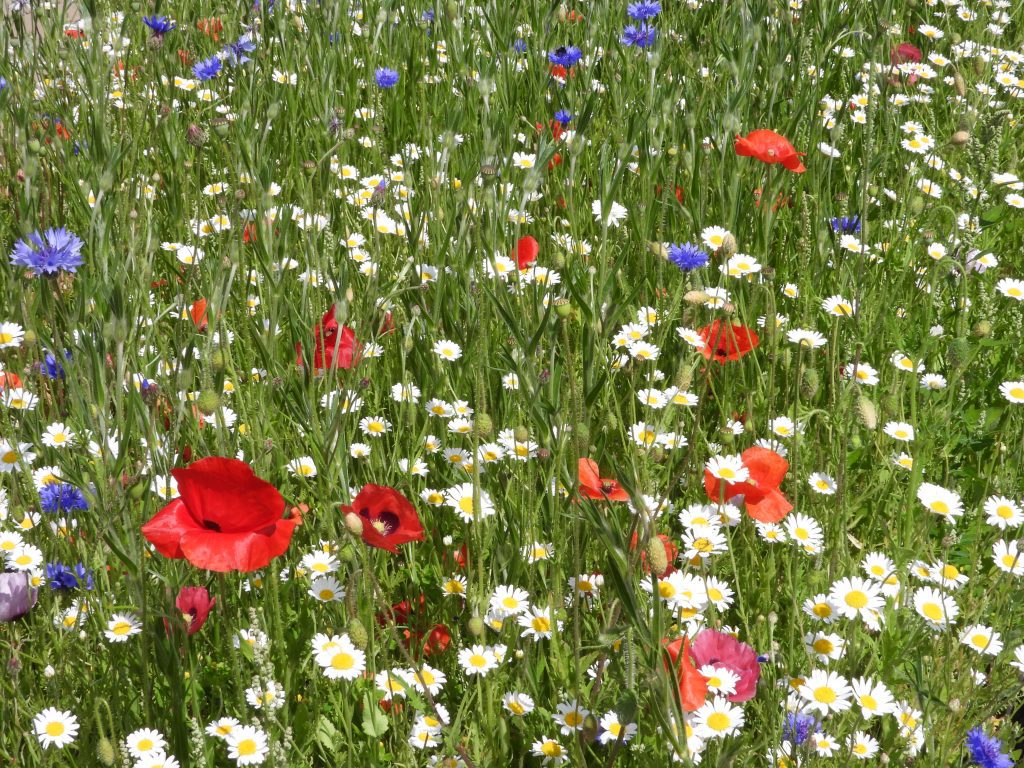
[(375, 722)]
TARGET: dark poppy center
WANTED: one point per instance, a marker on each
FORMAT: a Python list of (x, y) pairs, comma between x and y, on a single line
[(385, 523), (607, 488), (211, 526)]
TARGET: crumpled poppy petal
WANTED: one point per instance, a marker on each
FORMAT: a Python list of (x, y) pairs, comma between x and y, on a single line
[(165, 529), (226, 496), (771, 508), (243, 551), (766, 466)]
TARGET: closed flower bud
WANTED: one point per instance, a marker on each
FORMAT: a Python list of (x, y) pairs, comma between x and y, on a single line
[(521, 433), (195, 135), (105, 753), (34, 146), (959, 84), (958, 352), (589, 730), (563, 308), (981, 330), (959, 138), (916, 204), (476, 627), (357, 633), (867, 412), (30, 337), (658, 250), (695, 297), (354, 524), (208, 402), (656, 555), (483, 426), (218, 360), (809, 383), (684, 377)]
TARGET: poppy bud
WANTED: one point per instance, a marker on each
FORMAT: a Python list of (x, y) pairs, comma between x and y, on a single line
[(684, 377), (959, 138), (357, 633), (589, 730), (483, 426), (521, 433), (809, 383), (218, 360), (658, 249), (958, 352), (309, 166), (208, 402), (959, 84), (354, 524), (476, 627), (34, 146), (273, 111), (867, 412), (656, 555), (30, 337), (981, 330), (105, 752), (695, 297), (916, 204), (137, 491)]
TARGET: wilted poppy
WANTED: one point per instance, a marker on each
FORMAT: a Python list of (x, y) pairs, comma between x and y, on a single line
[(389, 519), (693, 687), (195, 604), (761, 495), (723, 650), (905, 52), (595, 487), (526, 251), (226, 519), (769, 147), (724, 341), (335, 347)]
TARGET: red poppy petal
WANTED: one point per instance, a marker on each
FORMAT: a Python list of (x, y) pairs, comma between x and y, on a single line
[(244, 551), (767, 468), (227, 494), (166, 527), (589, 474), (772, 507)]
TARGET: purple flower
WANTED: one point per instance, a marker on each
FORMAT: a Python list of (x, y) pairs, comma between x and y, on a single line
[(16, 596), (643, 10), (986, 751), (236, 52), (641, 36), (49, 252), (207, 69), (386, 77), (160, 25), (687, 256), (62, 497), (799, 727), (565, 56)]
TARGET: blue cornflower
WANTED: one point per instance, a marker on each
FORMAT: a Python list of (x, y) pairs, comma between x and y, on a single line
[(60, 576), (986, 751), (235, 52), (49, 252), (565, 56), (57, 498), (799, 727), (160, 25), (51, 367), (385, 77), (845, 224), (644, 9), (519, 46), (207, 69), (3, 83), (428, 15), (687, 256), (640, 36), (563, 117)]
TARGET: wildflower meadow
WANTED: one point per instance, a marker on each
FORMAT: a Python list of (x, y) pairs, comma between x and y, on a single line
[(482, 384)]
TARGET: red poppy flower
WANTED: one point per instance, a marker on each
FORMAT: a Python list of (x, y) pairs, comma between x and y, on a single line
[(769, 147), (526, 251), (198, 314), (389, 519), (693, 686), (761, 494), (727, 342), (594, 487), (335, 347), (8, 379), (905, 52), (226, 519), (413, 616), (195, 604)]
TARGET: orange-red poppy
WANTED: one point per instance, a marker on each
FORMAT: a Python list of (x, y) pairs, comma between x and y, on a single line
[(761, 495), (593, 486), (769, 147), (724, 341)]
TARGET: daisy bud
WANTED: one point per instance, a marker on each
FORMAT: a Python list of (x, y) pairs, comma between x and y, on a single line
[(208, 402), (867, 412), (354, 524), (105, 752), (357, 633), (959, 138), (476, 627), (656, 555)]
